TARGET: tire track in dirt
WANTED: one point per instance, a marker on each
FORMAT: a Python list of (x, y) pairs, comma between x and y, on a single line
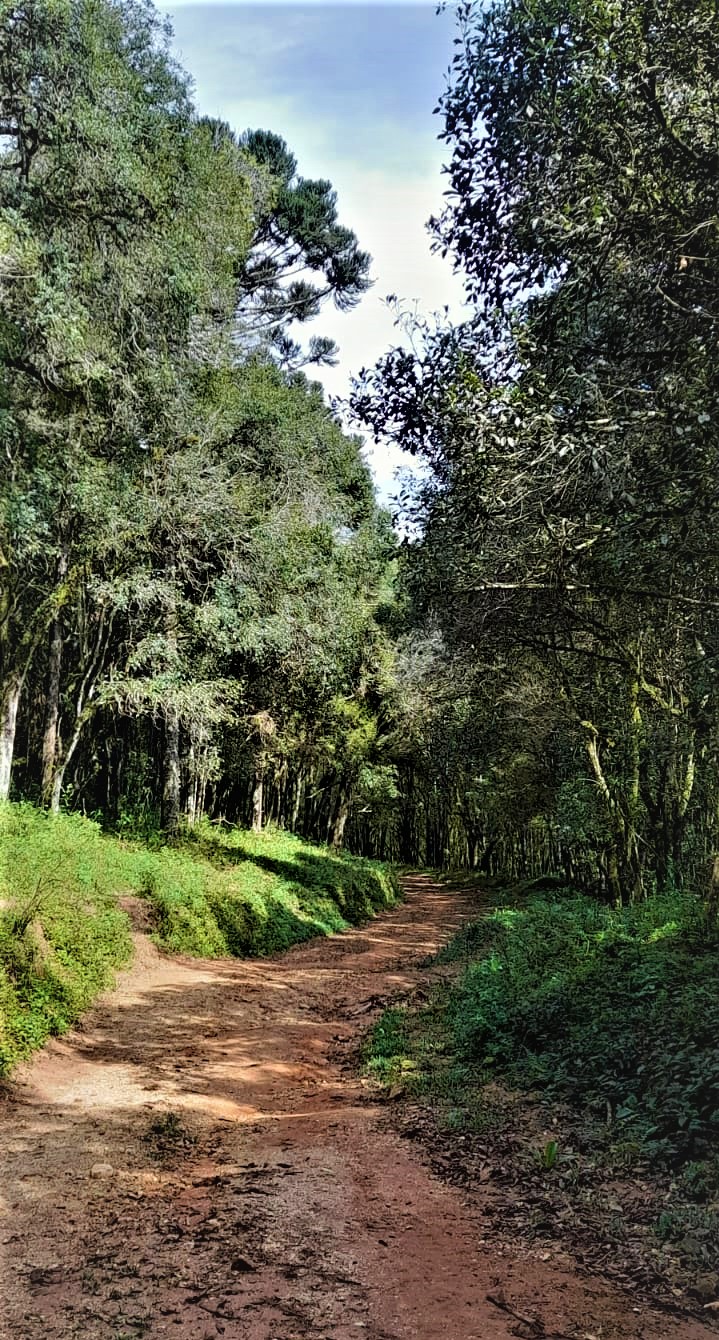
[(201, 1159)]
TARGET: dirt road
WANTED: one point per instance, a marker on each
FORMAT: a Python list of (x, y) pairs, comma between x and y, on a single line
[(202, 1159)]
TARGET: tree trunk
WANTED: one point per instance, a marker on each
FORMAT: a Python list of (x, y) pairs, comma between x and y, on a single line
[(296, 803), (52, 700), (9, 703), (171, 773), (65, 756), (56, 789), (257, 797), (193, 786), (52, 710), (339, 821)]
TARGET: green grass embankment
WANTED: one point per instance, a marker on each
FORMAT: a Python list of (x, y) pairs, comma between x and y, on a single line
[(584, 1040), (63, 933), (614, 1011)]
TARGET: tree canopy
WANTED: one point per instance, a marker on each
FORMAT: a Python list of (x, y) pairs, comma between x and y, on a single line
[(192, 557), (202, 605), (567, 553)]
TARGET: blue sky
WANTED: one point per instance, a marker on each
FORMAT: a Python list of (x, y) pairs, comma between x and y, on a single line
[(351, 88)]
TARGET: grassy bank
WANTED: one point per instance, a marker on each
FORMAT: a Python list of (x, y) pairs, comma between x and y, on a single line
[(585, 1039), (616, 1012), (63, 934)]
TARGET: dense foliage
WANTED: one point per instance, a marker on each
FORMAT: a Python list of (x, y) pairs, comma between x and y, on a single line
[(193, 567), (559, 675), (202, 609), (615, 1010), (206, 620), (567, 569), (612, 1010)]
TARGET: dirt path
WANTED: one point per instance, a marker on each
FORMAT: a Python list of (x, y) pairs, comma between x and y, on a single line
[(295, 1212)]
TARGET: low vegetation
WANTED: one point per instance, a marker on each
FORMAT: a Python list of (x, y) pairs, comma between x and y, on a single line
[(242, 893), (612, 1010), (594, 1023), (63, 933)]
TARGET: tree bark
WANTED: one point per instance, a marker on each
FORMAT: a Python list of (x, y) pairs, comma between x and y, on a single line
[(9, 703), (171, 772), (296, 802), (52, 709), (56, 788), (52, 699), (193, 784), (339, 821), (257, 801), (171, 778)]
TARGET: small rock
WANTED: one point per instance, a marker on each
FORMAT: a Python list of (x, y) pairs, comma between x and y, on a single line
[(706, 1287), (101, 1170), (692, 1246), (241, 1263)]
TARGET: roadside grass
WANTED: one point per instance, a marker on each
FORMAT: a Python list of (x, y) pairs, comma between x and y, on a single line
[(249, 894), (607, 1017), (215, 894)]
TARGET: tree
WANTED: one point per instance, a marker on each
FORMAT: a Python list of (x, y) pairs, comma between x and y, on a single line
[(568, 424), (301, 256), (123, 227), (189, 543)]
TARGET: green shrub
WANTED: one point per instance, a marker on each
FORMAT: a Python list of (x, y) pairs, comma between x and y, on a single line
[(61, 931), (250, 894), (615, 1011)]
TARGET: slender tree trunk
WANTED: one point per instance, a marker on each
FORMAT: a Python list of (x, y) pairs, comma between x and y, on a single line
[(84, 707), (52, 699), (56, 788), (52, 710), (339, 820), (620, 845), (257, 801), (193, 786), (61, 766), (296, 803), (171, 778), (171, 772), (203, 781), (633, 858), (9, 703)]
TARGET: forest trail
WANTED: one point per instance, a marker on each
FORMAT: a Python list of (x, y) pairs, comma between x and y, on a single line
[(202, 1159)]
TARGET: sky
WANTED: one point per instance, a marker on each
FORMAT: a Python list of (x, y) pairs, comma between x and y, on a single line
[(351, 88)]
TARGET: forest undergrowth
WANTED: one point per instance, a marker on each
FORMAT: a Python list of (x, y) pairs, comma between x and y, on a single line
[(567, 1064), (63, 932)]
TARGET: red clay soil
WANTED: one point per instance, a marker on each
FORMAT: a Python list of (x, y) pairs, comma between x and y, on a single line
[(202, 1159)]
